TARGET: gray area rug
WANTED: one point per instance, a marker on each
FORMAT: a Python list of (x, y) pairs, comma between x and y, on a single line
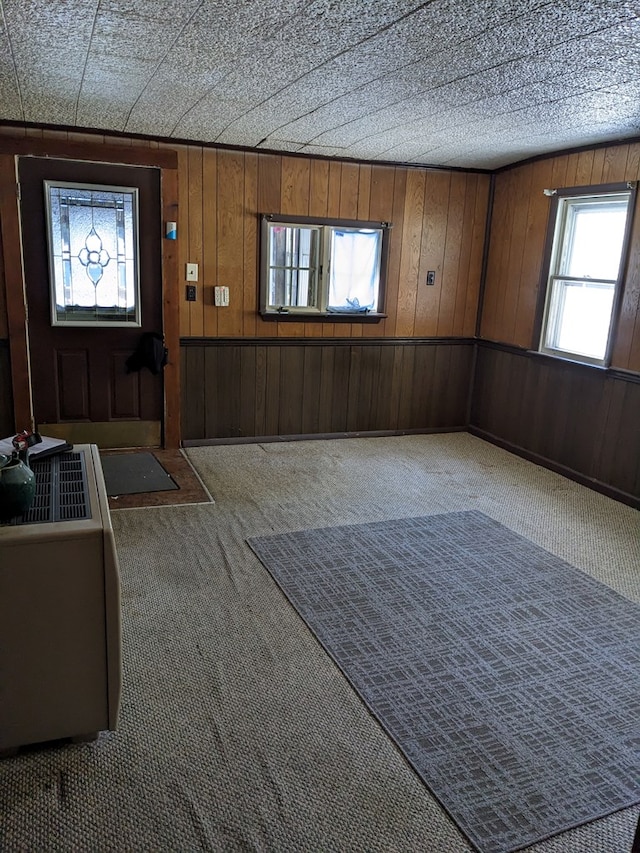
[(508, 678), (134, 473)]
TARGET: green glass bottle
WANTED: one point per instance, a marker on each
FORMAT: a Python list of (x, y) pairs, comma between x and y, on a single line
[(17, 487)]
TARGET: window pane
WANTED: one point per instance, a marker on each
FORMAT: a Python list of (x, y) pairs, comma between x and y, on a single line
[(355, 270), (594, 235), (581, 318), (293, 266), (321, 266), (93, 251), (583, 274)]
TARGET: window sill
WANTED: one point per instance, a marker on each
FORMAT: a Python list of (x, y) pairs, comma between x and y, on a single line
[(559, 355), (321, 317)]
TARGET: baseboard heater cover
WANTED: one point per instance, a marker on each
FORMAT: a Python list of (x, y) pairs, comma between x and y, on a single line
[(60, 624)]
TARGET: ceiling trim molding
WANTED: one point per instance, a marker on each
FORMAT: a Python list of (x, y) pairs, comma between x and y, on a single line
[(561, 152), (167, 158), (166, 140)]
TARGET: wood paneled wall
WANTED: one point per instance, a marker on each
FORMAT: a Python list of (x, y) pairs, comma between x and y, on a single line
[(6, 397), (243, 376), (4, 325), (438, 220), (236, 388), (518, 230), (570, 417)]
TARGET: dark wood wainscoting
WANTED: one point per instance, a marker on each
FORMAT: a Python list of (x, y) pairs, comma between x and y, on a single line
[(235, 388), (6, 397), (581, 421)]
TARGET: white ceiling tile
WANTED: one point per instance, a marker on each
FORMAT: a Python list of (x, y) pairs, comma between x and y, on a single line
[(474, 83), (319, 150), (10, 99), (283, 145), (49, 108), (155, 10), (399, 97), (46, 21), (101, 112), (10, 102), (125, 35)]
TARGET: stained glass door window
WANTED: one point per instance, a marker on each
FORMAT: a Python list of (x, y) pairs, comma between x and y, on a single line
[(93, 254)]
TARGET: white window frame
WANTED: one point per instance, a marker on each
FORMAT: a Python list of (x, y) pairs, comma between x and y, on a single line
[(556, 278), (320, 267)]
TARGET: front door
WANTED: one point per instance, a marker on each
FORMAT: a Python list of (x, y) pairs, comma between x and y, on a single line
[(80, 385)]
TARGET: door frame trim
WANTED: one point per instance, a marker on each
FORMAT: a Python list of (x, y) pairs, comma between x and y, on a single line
[(166, 160)]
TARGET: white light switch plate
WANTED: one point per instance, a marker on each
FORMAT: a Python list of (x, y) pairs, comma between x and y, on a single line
[(192, 272), (221, 296)]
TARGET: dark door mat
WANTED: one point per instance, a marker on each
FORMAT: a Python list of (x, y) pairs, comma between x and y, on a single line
[(133, 473), (190, 488)]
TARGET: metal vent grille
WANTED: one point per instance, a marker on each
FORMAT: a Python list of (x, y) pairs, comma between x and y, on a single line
[(61, 490)]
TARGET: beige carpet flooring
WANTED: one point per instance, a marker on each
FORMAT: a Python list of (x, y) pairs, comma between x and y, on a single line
[(237, 731)]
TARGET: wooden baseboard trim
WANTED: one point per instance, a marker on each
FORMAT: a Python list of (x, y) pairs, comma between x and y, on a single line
[(314, 436), (564, 470)]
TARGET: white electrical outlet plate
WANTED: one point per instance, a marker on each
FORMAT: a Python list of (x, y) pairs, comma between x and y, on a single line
[(221, 296), (192, 272)]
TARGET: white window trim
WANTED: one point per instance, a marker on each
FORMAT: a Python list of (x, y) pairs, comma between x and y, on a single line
[(325, 226), (550, 311)]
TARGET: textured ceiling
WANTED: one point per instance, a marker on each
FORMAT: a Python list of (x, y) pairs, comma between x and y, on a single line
[(477, 84)]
